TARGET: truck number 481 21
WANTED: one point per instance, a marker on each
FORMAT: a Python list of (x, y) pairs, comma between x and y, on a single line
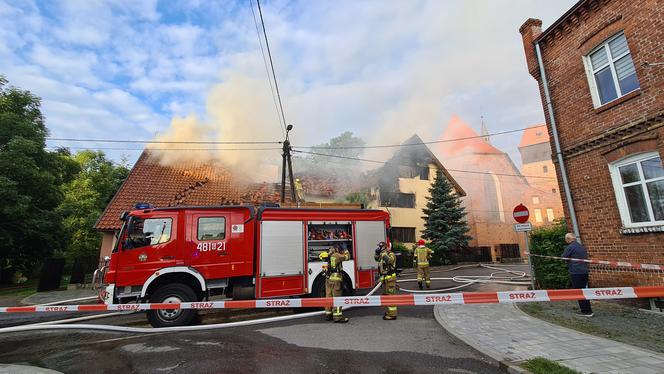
[(211, 246)]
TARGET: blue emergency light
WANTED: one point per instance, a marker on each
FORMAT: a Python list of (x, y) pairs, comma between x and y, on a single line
[(142, 206)]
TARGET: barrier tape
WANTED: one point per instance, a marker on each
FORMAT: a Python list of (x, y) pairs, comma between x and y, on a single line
[(622, 264), (382, 300)]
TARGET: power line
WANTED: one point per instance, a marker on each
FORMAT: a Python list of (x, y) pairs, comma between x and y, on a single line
[(387, 162), (415, 144), (267, 70), (159, 141), (168, 149), (269, 54), (278, 142)]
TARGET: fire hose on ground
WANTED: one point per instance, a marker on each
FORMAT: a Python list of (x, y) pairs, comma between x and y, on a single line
[(519, 278)]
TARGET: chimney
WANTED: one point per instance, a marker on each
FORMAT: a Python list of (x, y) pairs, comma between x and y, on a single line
[(530, 30)]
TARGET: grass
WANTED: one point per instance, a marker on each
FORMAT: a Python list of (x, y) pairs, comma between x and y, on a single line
[(612, 320), (30, 288), (19, 291), (540, 365)]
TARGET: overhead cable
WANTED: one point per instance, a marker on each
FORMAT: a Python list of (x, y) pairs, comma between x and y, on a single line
[(417, 143), (282, 126), (269, 54), (448, 169), (161, 141)]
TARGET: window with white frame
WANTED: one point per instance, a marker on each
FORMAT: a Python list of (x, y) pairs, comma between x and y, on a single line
[(611, 72), (639, 185)]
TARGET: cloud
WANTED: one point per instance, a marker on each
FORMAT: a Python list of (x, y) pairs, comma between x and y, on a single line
[(383, 70)]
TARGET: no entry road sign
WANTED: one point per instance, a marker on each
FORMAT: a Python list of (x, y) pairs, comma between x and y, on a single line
[(521, 213)]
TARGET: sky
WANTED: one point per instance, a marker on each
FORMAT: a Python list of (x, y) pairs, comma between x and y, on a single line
[(193, 70)]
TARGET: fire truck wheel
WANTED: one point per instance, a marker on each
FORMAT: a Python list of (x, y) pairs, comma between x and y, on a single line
[(172, 293)]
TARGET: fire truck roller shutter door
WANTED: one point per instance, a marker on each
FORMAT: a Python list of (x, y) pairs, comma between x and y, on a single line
[(368, 233)]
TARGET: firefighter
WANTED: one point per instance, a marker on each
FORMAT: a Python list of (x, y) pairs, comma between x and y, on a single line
[(421, 259), (333, 280), (387, 265), (299, 191)]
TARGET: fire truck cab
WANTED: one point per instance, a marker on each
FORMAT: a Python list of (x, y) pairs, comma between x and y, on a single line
[(181, 254)]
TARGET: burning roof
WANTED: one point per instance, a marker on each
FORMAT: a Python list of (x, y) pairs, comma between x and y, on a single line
[(188, 183)]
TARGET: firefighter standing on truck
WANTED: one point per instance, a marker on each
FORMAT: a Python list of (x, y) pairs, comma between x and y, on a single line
[(387, 265), (333, 280), (421, 260)]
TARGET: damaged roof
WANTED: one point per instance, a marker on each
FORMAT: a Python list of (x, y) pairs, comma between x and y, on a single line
[(193, 183), (413, 152)]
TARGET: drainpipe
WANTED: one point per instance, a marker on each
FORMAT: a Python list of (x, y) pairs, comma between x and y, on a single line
[(559, 154)]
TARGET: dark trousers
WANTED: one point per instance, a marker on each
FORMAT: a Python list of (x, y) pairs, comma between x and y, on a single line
[(581, 281)]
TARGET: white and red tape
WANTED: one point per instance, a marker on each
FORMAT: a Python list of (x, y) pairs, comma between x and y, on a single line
[(383, 300), (620, 264)]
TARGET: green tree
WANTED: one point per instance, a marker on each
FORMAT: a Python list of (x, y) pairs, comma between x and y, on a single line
[(445, 225), (86, 196), (319, 163), (30, 177), (549, 241)]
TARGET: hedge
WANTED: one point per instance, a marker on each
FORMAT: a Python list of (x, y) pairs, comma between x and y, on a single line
[(549, 241)]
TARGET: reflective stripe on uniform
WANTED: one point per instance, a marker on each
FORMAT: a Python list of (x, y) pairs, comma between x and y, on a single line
[(423, 263), (336, 277)]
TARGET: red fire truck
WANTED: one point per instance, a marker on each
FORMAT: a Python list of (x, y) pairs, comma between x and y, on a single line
[(180, 254)]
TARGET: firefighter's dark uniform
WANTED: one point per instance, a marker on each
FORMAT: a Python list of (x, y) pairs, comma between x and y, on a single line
[(421, 260), (333, 282), (387, 265)]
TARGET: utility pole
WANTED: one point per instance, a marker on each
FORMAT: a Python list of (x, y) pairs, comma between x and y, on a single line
[(287, 162)]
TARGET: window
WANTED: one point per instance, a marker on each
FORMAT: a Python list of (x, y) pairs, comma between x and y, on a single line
[(403, 234), (212, 228), (424, 173), (538, 215), (545, 169), (549, 215), (611, 70), (536, 200), (151, 231), (639, 185), (397, 199)]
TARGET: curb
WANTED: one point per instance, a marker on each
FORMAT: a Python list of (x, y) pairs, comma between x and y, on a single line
[(506, 366)]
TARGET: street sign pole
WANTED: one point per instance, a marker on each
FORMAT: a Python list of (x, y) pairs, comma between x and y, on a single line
[(521, 215), (530, 264)]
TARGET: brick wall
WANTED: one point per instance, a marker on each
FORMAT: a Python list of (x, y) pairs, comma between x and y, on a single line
[(588, 135)]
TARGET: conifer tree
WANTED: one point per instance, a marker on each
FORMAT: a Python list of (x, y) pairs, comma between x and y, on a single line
[(445, 224)]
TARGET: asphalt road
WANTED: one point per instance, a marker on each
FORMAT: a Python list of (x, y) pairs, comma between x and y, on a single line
[(415, 342)]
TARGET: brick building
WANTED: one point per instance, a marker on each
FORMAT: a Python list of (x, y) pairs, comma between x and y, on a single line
[(600, 70)]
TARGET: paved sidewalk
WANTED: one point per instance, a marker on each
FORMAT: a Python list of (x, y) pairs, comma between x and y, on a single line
[(57, 296), (506, 334)]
